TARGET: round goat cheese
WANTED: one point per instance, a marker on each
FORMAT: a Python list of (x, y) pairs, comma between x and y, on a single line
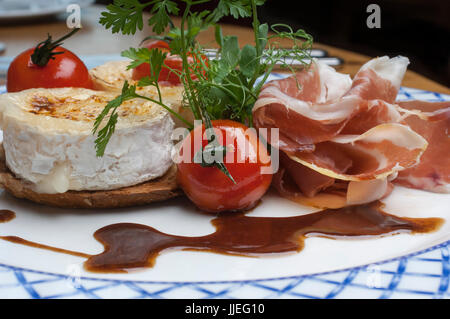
[(48, 140)]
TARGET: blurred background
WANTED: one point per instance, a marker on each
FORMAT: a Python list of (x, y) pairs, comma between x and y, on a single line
[(418, 29)]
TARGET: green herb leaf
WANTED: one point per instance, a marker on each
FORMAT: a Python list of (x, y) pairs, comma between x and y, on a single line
[(124, 16), (263, 30), (156, 59), (218, 35), (176, 45), (145, 81), (236, 8), (161, 11), (196, 23), (104, 135), (230, 51), (248, 61), (138, 56)]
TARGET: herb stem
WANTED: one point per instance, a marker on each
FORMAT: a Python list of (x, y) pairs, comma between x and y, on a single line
[(264, 79), (255, 28), (159, 92), (178, 116), (199, 2), (192, 100), (259, 50)]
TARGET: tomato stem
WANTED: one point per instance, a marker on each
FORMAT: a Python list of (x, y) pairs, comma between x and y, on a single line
[(44, 50)]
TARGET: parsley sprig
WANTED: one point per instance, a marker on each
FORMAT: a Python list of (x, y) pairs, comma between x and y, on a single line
[(139, 56), (226, 87)]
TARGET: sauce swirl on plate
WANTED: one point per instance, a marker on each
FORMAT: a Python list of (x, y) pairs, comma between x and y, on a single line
[(133, 245), (6, 215), (128, 245)]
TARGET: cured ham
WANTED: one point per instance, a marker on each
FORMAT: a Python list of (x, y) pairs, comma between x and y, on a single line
[(342, 141), (432, 121), (324, 109), (308, 187), (376, 154)]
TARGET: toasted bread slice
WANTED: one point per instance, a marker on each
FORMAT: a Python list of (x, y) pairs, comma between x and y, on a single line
[(156, 190)]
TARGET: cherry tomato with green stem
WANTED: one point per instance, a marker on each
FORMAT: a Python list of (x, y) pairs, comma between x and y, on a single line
[(246, 159), (48, 65)]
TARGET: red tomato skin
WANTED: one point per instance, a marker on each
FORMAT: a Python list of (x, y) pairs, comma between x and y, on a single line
[(166, 76), (156, 44), (66, 70), (210, 189)]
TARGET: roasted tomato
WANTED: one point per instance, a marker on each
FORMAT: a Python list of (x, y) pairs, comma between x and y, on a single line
[(47, 66), (172, 62), (247, 161)]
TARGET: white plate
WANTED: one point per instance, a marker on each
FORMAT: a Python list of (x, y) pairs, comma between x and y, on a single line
[(395, 266), (26, 9)]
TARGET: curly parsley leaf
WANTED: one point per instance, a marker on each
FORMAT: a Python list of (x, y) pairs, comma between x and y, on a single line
[(124, 16), (161, 11), (104, 134), (236, 8), (139, 56)]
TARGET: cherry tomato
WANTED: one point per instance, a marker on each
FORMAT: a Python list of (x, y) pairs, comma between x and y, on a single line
[(157, 44), (166, 76), (65, 70), (247, 160)]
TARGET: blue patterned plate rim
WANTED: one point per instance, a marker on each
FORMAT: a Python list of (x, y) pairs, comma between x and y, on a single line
[(437, 246)]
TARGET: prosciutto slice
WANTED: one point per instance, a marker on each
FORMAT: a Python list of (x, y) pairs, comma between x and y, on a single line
[(318, 104), (342, 138), (432, 121), (308, 187)]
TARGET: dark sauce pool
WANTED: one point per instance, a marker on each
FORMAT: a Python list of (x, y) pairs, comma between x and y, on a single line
[(128, 245), (6, 215)]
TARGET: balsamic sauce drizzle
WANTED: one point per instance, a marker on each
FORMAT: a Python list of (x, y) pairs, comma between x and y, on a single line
[(128, 245), (6, 215)]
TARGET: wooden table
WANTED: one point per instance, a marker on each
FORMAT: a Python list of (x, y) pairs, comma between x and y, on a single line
[(94, 39)]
